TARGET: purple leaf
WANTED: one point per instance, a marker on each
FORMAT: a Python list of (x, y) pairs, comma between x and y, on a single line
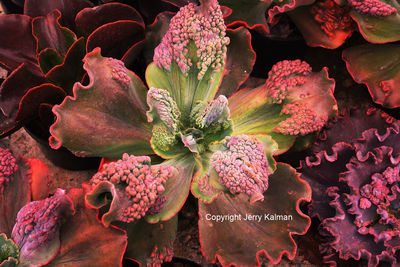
[(68, 9), (89, 19), (50, 34), (17, 42), (115, 38)]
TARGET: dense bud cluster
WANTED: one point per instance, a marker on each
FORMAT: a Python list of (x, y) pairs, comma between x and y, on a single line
[(242, 166), (303, 120), (140, 182), (372, 7), (163, 108), (284, 75), (203, 25), (8, 167), (119, 72), (38, 222), (332, 17)]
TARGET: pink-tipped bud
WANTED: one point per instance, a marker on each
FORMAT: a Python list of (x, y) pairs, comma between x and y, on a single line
[(374, 8), (204, 26)]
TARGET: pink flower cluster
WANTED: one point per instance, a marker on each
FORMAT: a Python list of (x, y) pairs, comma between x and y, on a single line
[(38, 222), (204, 25), (141, 182), (242, 166), (372, 7), (284, 75), (303, 120), (8, 167)]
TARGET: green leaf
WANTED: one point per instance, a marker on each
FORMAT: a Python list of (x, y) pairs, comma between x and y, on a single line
[(258, 116), (112, 106), (239, 241), (379, 29), (48, 59), (177, 188), (184, 89), (9, 252), (377, 66)]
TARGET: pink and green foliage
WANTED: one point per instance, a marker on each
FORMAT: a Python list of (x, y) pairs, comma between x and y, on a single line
[(355, 188), (378, 20), (324, 23), (377, 66), (44, 57), (211, 145)]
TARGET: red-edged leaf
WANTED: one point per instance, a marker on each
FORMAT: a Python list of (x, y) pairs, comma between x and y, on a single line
[(379, 29), (242, 242), (71, 70), (116, 38), (17, 42), (149, 243), (84, 240), (15, 87), (176, 188), (378, 67), (89, 19), (240, 59), (324, 24), (113, 106), (250, 13), (44, 93), (68, 9), (50, 34)]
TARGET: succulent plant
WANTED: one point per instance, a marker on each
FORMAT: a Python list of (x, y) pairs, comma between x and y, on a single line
[(209, 143), (355, 188)]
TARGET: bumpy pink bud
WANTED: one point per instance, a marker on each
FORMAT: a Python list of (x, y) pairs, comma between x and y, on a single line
[(119, 72), (242, 166), (204, 26), (140, 182), (284, 75), (8, 167), (303, 120), (38, 223), (374, 8)]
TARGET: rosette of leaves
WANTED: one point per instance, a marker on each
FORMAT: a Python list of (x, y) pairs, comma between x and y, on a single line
[(49, 230), (220, 149), (376, 66), (354, 175), (42, 50)]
